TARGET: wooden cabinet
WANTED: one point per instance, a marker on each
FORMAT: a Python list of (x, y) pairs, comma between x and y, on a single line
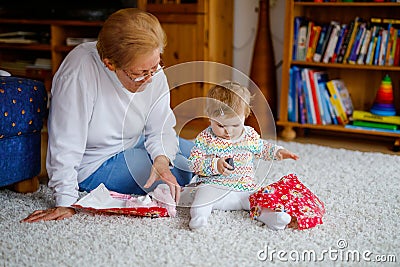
[(199, 30), (50, 42), (362, 81), (196, 31)]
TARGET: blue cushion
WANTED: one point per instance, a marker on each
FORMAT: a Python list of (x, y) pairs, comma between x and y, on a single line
[(22, 111), (23, 106), (20, 158)]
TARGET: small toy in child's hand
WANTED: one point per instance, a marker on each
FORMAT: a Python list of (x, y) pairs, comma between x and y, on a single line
[(230, 162)]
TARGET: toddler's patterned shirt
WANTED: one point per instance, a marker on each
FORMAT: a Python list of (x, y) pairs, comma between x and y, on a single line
[(244, 150)]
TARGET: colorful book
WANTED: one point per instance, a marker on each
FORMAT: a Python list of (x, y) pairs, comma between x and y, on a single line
[(340, 99), (366, 30), (373, 39), (301, 41), (344, 96), (382, 51), (310, 36), (389, 46), (345, 44), (292, 97), (391, 21), (326, 39), (357, 22), (377, 47), (297, 23), (350, 126), (301, 98), (321, 77), (311, 118), (334, 97), (318, 50), (339, 43), (331, 110), (368, 116), (355, 50), (315, 95), (364, 48), (333, 38), (396, 60), (313, 42), (393, 50), (371, 50), (376, 125)]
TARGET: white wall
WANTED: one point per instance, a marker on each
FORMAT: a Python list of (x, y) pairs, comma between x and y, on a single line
[(245, 29), (244, 33)]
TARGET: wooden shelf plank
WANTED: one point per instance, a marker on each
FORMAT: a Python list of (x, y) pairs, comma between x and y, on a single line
[(51, 22), (347, 4), (34, 47), (337, 128), (173, 8), (344, 66), (63, 48)]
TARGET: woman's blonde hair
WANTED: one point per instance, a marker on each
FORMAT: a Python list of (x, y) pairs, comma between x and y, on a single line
[(127, 34), (228, 99)]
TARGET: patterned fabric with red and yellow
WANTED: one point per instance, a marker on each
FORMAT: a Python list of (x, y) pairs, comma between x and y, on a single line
[(291, 196)]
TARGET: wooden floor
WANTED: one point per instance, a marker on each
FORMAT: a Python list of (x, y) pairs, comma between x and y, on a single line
[(366, 143)]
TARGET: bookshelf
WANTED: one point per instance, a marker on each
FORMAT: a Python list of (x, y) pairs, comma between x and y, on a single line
[(50, 42), (362, 81)]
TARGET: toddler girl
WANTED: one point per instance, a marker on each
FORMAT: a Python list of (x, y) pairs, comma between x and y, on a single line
[(223, 158)]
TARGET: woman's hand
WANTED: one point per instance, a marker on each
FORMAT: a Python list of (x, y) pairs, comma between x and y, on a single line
[(161, 171), (58, 213)]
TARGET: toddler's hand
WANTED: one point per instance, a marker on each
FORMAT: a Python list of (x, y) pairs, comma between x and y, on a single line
[(286, 154), (223, 167)]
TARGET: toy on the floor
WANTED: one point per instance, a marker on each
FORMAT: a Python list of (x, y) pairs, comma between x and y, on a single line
[(384, 100), (289, 195)]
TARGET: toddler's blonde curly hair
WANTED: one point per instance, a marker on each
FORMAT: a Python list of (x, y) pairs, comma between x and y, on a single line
[(228, 99)]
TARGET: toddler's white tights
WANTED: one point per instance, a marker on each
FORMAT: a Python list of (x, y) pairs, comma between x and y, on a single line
[(209, 198)]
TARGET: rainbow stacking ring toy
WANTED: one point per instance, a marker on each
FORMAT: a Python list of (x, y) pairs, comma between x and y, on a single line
[(383, 104)]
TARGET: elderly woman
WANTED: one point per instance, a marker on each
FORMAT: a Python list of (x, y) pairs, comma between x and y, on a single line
[(110, 119)]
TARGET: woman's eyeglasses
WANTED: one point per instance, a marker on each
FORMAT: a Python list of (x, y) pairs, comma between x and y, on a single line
[(143, 77)]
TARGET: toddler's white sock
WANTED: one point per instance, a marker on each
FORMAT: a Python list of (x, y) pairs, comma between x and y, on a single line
[(198, 222), (274, 219)]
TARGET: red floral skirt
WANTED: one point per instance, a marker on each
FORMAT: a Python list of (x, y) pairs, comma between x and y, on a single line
[(291, 196)]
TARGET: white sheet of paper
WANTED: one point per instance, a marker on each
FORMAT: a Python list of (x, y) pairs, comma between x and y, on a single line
[(100, 198)]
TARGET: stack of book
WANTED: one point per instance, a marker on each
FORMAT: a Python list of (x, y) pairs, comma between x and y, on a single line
[(372, 41), (364, 120), (315, 99), (18, 37), (41, 69)]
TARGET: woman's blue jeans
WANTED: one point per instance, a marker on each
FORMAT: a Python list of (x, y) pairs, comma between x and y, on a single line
[(128, 171)]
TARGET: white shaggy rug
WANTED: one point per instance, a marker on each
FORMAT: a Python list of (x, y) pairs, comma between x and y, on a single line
[(360, 191)]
